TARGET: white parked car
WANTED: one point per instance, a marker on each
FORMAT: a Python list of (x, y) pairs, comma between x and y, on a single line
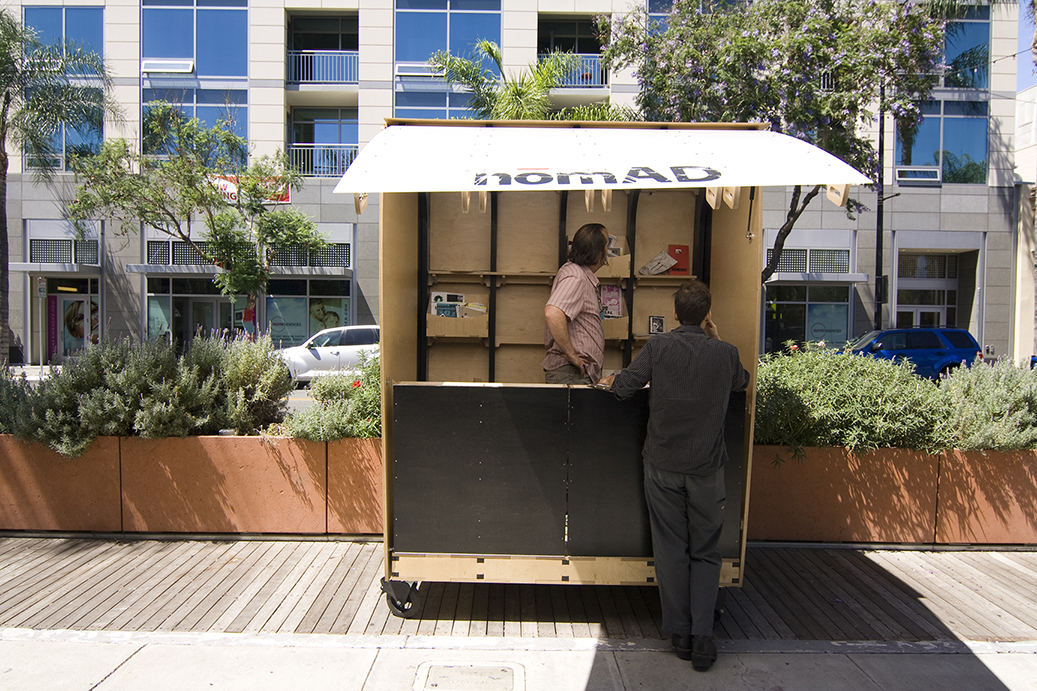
[(330, 351)]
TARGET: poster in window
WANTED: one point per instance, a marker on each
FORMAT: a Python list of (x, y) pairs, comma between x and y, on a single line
[(286, 320), (79, 324), (159, 317), (828, 323), (327, 313)]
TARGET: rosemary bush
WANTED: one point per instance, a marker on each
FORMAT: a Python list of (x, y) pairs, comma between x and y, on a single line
[(820, 397), (125, 388), (345, 405), (990, 407)]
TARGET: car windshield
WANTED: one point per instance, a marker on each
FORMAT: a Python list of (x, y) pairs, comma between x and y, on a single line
[(862, 341), (328, 338)]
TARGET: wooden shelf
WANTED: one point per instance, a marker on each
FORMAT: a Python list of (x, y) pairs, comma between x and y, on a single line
[(457, 327), (662, 279), (528, 277)]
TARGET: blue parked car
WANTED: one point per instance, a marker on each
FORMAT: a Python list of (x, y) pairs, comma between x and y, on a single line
[(933, 351)]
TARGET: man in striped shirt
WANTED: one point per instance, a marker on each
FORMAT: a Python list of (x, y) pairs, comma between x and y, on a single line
[(574, 337), (692, 374)]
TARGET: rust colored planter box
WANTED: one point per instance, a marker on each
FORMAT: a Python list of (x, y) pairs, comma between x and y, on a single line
[(224, 485), (355, 479), (831, 496), (988, 498), (42, 490)]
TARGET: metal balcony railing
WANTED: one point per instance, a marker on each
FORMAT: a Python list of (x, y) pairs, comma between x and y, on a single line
[(323, 67), (588, 74), (322, 160)]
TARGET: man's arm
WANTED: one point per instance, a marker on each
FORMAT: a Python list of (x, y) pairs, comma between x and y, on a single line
[(558, 326), (634, 377)]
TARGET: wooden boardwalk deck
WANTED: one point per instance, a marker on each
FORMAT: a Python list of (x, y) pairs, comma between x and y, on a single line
[(790, 593)]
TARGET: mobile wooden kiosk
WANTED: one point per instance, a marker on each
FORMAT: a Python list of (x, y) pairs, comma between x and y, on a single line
[(491, 475)]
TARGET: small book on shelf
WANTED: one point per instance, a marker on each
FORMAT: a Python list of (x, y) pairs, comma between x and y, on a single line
[(611, 302)]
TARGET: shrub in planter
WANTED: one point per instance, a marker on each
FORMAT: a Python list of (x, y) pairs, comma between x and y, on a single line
[(990, 408), (814, 396), (122, 388), (346, 405)]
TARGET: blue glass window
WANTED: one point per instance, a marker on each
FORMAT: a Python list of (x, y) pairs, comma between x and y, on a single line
[(324, 126), (468, 28), (967, 54), (952, 136), (83, 27), (167, 33), (210, 106), (426, 26), (216, 39), (222, 43), (47, 23), (419, 35)]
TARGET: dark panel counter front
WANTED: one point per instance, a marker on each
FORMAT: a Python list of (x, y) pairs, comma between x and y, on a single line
[(497, 469)]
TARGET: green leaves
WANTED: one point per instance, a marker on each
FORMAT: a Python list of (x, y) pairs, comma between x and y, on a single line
[(190, 174), (347, 405)]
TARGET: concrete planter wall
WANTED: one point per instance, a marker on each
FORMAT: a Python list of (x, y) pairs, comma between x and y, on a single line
[(894, 496), (194, 485), (42, 490)]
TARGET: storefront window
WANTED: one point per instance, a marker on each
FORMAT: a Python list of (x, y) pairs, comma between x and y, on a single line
[(798, 313)]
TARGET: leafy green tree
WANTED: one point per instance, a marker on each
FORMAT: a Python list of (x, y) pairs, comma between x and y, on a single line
[(42, 90), (524, 96), (811, 69), (195, 175)]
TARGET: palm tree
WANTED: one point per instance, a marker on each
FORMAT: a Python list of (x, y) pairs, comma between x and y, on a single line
[(524, 96), (42, 90)]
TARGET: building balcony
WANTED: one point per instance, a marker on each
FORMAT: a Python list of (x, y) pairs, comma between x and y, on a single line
[(322, 160), (590, 73), (323, 67)]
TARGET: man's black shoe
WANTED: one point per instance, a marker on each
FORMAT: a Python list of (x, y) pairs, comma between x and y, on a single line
[(682, 646), (703, 653)]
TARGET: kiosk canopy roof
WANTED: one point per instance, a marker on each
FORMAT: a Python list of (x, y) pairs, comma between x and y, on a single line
[(439, 158)]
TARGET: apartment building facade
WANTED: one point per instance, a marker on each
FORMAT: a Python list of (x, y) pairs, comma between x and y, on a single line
[(318, 78)]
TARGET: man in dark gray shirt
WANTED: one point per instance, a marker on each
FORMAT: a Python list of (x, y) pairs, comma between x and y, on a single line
[(692, 374)]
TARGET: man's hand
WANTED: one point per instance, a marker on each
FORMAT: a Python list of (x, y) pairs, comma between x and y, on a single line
[(709, 327)]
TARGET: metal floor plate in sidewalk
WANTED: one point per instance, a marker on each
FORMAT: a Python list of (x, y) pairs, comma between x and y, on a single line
[(790, 594)]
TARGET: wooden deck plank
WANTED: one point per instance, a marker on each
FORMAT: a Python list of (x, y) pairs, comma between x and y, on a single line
[(196, 599), (463, 618), (38, 590), (545, 624), (41, 576), (447, 610), (430, 603), (833, 602), (310, 586), (137, 578), (512, 611), (895, 597), (273, 558), (241, 578), (943, 597), (81, 598), (577, 612), (1014, 574), (999, 606), (480, 610), (611, 622), (495, 610), (527, 610), (140, 597), (858, 602), (770, 583), (256, 617), (368, 566), (321, 614), (642, 612), (564, 627), (191, 590), (372, 603)]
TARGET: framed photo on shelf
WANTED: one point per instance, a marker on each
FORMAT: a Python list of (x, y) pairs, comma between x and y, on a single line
[(656, 325)]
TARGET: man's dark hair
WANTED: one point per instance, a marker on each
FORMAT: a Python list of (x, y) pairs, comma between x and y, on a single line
[(590, 245), (692, 303)]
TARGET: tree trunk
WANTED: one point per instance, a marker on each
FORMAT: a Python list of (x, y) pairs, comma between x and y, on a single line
[(796, 210)]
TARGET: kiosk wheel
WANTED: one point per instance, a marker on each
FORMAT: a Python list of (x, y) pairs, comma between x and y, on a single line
[(402, 598)]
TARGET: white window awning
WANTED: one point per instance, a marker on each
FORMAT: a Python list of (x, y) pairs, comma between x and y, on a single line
[(472, 156)]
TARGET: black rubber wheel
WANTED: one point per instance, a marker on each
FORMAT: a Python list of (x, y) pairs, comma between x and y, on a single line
[(407, 608)]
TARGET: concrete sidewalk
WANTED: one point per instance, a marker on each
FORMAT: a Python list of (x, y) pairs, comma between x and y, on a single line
[(124, 661)]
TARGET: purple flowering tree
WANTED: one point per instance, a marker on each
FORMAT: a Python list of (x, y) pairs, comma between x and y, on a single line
[(812, 69)]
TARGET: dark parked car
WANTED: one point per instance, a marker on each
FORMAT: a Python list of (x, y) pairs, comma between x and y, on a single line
[(933, 351)]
